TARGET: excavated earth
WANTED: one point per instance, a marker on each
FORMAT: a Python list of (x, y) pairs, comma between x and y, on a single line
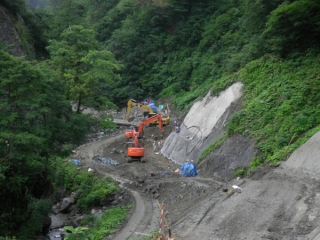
[(276, 203)]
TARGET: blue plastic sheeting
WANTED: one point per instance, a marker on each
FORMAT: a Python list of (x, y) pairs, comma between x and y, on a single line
[(106, 160), (76, 162), (153, 107), (189, 169)]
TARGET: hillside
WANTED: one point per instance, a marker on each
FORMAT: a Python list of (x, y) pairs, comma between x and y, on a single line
[(275, 202)]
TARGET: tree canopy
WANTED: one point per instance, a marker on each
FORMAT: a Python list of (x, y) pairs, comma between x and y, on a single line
[(36, 121), (84, 68)]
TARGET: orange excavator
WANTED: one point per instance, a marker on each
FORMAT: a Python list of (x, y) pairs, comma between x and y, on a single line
[(134, 150), (152, 119)]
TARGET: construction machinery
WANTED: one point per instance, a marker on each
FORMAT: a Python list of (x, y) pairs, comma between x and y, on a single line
[(149, 111), (134, 150), (155, 118)]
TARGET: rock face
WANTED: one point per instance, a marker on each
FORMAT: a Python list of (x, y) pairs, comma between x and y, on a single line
[(306, 157), (204, 124), (67, 203), (57, 221), (9, 34)]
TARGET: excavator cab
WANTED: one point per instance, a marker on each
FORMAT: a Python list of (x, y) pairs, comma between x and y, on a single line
[(134, 151), (128, 133)]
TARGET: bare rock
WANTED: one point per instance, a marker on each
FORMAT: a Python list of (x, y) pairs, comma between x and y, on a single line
[(66, 204), (56, 221)]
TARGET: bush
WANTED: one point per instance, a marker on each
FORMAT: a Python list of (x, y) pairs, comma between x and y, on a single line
[(92, 189)]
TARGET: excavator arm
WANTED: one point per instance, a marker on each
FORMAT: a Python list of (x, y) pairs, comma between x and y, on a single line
[(158, 118), (151, 113), (131, 103), (134, 103)]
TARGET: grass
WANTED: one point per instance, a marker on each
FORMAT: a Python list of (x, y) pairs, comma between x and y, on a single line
[(101, 227)]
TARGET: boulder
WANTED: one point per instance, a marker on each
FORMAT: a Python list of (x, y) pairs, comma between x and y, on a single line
[(60, 193), (46, 223), (66, 204), (56, 221)]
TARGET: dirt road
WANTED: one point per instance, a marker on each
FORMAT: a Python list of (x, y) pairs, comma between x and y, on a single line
[(280, 203), (275, 203)]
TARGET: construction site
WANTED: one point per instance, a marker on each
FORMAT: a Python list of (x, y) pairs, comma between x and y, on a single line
[(211, 202)]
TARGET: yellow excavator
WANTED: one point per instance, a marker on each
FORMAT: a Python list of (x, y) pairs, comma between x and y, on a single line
[(149, 112)]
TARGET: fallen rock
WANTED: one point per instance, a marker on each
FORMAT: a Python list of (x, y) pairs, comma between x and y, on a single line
[(66, 204), (56, 221), (60, 193)]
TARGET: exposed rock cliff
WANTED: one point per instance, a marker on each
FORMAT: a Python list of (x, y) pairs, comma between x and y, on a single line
[(8, 31)]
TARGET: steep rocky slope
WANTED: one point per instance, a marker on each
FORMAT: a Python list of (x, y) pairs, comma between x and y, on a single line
[(8, 31)]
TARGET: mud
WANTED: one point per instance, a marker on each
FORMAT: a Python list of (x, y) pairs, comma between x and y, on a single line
[(281, 203), (276, 203)]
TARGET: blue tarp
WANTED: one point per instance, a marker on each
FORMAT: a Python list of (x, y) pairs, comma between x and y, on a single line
[(189, 169), (76, 162), (153, 107), (106, 160)]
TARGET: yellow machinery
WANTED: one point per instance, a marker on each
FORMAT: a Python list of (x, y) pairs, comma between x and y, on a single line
[(149, 112)]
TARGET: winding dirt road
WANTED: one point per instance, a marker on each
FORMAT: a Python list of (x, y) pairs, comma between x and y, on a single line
[(274, 204)]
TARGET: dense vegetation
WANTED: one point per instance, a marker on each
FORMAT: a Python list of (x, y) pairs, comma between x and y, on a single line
[(100, 53)]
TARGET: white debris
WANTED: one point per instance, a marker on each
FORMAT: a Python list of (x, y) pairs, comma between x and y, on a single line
[(237, 188)]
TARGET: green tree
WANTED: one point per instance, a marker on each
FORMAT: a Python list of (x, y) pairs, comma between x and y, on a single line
[(294, 27), (66, 13), (83, 66), (35, 121)]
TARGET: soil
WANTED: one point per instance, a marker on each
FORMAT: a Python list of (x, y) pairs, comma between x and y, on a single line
[(275, 203)]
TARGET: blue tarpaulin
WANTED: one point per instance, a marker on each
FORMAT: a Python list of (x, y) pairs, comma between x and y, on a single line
[(153, 107), (106, 160), (189, 169), (76, 162)]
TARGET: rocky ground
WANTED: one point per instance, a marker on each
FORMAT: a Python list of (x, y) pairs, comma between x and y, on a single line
[(275, 203)]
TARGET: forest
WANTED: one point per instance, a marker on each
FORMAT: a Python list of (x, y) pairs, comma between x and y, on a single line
[(99, 54)]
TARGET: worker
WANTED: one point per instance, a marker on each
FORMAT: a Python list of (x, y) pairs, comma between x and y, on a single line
[(175, 123), (177, 129)]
